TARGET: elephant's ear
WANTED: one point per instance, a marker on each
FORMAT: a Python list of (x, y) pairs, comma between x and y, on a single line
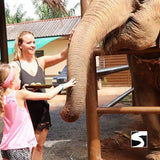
[(56, 4)]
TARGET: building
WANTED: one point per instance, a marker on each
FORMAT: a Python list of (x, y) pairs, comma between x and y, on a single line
[(122, 78), (51, 37)]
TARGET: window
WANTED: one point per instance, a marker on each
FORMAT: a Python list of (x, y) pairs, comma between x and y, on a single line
[(39, 53)]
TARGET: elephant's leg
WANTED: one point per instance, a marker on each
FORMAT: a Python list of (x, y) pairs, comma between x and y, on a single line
[(153, 126), (145, 79)]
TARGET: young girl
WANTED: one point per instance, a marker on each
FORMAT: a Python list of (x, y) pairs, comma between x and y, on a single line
[(18, 135)]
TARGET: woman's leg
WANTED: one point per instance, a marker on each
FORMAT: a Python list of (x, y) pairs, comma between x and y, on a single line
[(37, 152)]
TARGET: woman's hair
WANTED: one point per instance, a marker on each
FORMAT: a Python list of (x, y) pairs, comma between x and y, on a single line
[(19, 41), (4, 72)]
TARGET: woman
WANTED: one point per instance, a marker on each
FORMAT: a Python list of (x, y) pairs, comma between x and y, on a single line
[(32, 70)]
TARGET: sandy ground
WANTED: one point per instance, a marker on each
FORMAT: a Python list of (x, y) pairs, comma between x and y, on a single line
[(68, 141)]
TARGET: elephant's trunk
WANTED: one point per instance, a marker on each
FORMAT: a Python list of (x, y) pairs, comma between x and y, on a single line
[(90, 31)]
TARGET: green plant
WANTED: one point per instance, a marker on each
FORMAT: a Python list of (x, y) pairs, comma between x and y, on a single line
[(127, 100)]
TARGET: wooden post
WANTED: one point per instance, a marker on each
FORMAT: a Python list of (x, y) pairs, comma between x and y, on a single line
[(94, 148), (3, 37), (84, 6)]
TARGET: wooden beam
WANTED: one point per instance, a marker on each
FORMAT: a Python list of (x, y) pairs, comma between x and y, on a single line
[(3, 35), (129, 110), (92, 119), (156, 51)]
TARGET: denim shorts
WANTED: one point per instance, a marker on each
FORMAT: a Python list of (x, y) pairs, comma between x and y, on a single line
[(16, 154)]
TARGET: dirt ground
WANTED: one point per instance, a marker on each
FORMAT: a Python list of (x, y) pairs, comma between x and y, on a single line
[(68, 141), (120, 144)]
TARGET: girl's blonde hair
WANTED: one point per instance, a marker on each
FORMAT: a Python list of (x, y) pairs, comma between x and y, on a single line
[(19, 41), (4, 72)]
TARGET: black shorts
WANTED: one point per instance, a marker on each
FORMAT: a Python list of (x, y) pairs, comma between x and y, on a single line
[(39, 112), (16, 154)]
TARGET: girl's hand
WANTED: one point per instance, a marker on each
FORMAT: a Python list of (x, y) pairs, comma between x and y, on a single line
[(70, 83), (24, 86), (29, 89)]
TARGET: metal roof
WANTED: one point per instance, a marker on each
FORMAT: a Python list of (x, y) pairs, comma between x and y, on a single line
[(44, 28)]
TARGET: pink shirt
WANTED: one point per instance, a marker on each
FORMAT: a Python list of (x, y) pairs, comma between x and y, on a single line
[(18, 129)]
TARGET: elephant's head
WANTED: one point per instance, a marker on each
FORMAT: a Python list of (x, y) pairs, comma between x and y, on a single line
[(130, 24)]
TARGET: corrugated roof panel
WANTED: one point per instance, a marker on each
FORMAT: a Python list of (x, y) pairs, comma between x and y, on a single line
[(44, 28)]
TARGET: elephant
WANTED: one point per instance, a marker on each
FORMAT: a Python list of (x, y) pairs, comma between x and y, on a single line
[(121, 25)]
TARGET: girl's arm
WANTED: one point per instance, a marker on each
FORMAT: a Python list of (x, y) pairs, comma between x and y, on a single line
[(28, 95)]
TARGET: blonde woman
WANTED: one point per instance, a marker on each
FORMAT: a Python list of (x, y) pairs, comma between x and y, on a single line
[(32, 70)]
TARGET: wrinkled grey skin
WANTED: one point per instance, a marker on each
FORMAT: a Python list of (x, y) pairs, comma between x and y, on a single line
[(124, 24), (141, 29), (137, 24)]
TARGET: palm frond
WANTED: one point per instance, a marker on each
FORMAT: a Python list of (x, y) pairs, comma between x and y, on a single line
[(55, 3)]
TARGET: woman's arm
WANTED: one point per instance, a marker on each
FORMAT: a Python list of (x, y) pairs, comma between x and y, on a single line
[(47, 61)]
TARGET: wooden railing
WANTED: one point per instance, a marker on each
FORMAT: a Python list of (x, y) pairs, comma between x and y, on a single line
[(93, 111)]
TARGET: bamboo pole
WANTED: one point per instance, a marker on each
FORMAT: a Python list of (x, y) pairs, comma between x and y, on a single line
[(3, 36)]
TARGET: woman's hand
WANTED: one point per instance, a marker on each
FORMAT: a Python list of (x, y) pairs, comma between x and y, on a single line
[(64, 53), (70, 37)]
